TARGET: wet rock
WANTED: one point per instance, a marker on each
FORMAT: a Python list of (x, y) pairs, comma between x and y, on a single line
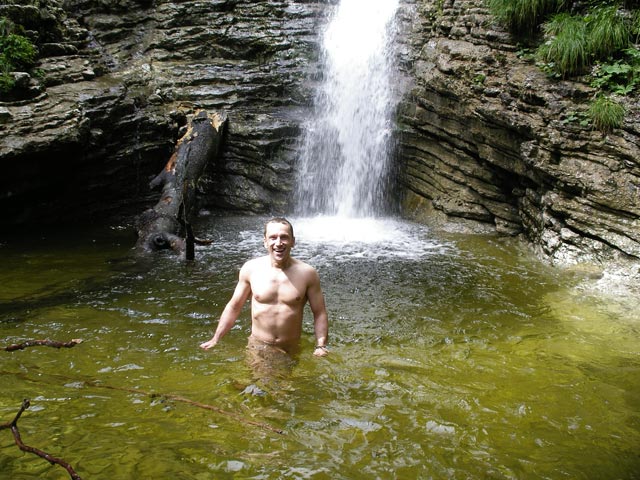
[(254, 391)]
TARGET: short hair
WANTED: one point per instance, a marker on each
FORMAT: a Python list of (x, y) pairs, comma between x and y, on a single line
[(281, 220)]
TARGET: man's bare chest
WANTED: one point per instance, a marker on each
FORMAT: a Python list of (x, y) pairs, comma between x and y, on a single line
[(278, 288)]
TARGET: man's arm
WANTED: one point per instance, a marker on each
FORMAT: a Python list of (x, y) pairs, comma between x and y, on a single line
[(232, 310), (320, 316)]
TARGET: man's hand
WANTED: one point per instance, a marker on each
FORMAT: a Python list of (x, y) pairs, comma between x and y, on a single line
[(320, 351), (207, 345)]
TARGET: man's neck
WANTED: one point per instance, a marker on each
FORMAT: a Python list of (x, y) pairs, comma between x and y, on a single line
[(281, 264)]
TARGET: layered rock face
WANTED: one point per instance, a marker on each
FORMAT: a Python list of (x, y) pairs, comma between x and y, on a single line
[(487, 137), (119, 78)]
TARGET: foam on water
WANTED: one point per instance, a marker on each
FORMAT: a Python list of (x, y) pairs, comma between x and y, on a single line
[(327, 239)]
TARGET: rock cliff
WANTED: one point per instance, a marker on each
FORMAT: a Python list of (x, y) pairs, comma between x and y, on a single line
[(119, 78), (485, 137)]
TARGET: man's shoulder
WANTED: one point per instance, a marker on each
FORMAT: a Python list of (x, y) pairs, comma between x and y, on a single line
[(301, 263), (252, 265), (255, 263), (304, 267)]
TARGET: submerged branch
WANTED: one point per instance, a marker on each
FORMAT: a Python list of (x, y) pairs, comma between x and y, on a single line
[(152, 395), (178, 398), (13, 426), (46, 343)]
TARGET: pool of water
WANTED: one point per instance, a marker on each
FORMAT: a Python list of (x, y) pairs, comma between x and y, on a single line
[(452, 356)]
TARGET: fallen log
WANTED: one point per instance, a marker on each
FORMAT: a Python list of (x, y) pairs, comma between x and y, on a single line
[(13, 426), (168, 224), (45, 342)]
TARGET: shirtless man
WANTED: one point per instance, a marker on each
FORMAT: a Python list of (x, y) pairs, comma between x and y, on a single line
[(279, 286)]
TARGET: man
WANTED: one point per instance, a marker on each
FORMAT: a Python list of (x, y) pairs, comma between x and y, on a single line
[(279, 286)]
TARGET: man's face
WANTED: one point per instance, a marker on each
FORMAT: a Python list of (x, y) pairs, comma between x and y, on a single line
[(278, 240)]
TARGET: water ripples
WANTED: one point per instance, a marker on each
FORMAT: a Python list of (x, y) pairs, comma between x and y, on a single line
[(450, 357)]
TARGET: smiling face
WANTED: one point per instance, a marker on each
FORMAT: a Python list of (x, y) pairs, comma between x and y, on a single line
[(279, 240)]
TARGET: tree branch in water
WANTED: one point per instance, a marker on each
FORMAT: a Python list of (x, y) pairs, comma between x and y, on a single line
[(13, 426), (46, 343), (178, 398)]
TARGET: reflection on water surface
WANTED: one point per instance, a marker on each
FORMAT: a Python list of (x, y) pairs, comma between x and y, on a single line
[(456, 357)]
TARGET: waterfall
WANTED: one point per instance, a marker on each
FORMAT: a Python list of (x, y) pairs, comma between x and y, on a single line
[(345, 152)]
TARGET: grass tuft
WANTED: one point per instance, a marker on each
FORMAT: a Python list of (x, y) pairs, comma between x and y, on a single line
[(606, 114), (566, 48), (609, 31), (523, 17)]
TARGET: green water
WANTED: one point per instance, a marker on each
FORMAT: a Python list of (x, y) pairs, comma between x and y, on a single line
[(457, 357)]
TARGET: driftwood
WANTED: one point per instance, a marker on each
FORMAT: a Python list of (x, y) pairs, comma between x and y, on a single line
[(46, 343), (13, 426), (168, 224)]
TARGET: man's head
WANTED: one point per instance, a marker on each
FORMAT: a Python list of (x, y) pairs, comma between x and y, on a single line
[(279, 239)]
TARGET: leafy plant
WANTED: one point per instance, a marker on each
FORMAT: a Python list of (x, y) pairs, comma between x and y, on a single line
[(526, 53), (578, 35), (16, 51), (606, 114), (573, 42), (6, 82), (5, 26), (479, 78), (581, 118), (635, 26), (621, 76)]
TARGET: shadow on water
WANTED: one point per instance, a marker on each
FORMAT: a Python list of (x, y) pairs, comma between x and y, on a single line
[(46, 270), (451, 357)]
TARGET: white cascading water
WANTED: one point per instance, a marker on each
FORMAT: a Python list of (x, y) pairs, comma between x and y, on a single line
[(344, 158), (345, 153)]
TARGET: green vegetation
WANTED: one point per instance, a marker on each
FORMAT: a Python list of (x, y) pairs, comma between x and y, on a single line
[(523, 17), (16, 52), (635, 26), (479, 78), (606, 114), (581, 118), (599, 41), (621, 76), (572, 43), (609, 31), (566, 49)]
